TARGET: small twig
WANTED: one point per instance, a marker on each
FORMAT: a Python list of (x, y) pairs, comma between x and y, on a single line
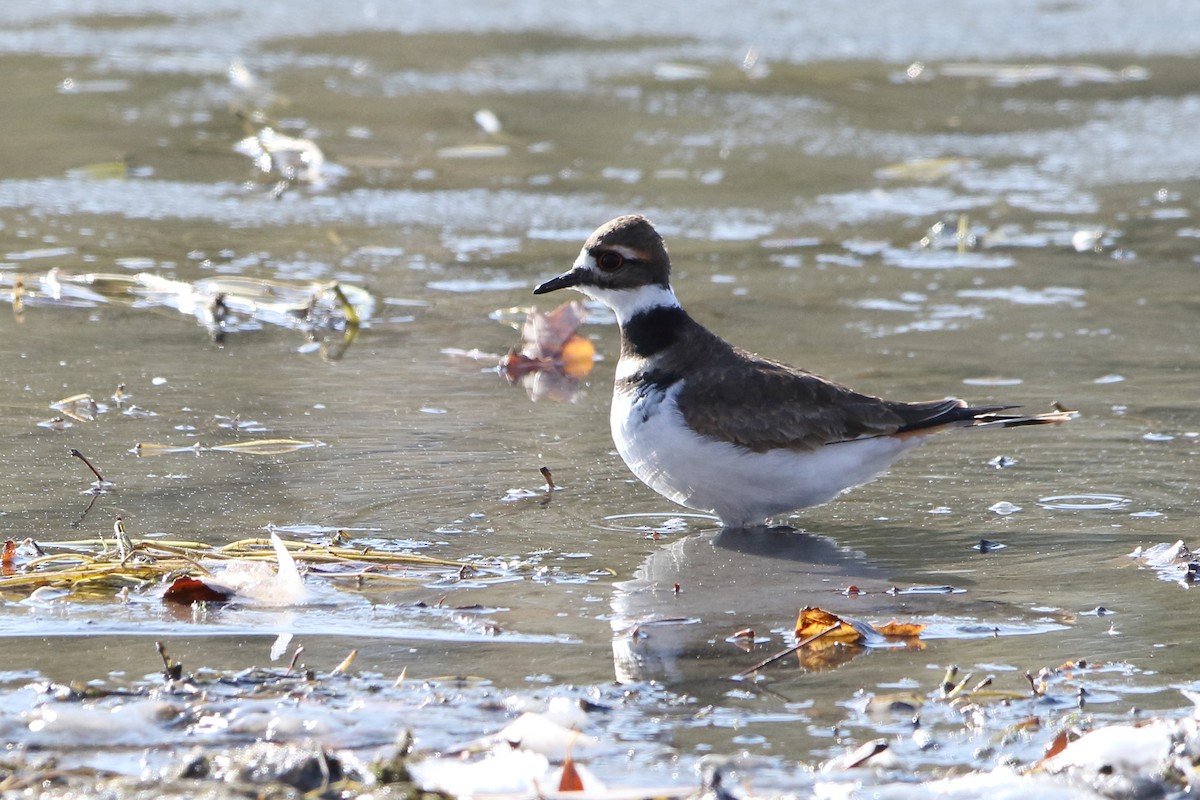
[(982, 684), (545, 501), (865, 753), (949, 678), (959, 687), (352, 318), (172, 670), (124, 544), (788, 652), (83, 458), (295, 659)]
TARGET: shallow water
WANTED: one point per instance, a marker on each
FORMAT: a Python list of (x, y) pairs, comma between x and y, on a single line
[(909, 208)]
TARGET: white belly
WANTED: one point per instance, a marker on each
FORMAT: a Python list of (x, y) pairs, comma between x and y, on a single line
[(740, 486)]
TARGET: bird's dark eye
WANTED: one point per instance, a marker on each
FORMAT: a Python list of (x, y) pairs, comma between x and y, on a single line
[(610, 261)]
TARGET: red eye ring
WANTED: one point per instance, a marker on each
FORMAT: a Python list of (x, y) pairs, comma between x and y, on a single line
[(610, 261)]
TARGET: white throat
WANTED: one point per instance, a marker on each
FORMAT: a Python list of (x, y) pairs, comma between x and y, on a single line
[(628, 303)]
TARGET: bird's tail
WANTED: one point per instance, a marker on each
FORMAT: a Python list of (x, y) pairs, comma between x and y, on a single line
[(988, 418)]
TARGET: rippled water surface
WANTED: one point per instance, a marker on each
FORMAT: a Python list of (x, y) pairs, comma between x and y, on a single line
[(996, 203)]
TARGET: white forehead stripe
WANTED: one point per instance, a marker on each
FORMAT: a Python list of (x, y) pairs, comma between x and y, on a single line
[(629, 253)]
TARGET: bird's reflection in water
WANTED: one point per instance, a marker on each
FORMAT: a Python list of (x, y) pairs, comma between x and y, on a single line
[(703, 587)]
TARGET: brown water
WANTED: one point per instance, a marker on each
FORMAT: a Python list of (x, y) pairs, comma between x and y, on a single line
[(812, 171)]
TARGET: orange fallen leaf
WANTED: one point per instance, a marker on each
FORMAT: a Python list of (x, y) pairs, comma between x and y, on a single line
[(813, 620), (901, 630), (1056, 746), (853, 631), (570, 780), (6, 560), (577, 355)]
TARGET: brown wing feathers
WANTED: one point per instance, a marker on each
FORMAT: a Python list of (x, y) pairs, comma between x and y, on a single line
[(777, 406)]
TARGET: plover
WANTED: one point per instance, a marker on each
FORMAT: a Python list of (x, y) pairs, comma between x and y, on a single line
[(717, 429)]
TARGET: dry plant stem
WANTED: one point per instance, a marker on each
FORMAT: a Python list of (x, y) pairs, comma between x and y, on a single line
[(787, 652), (295, 659), (545, 501), (875, 750), (346, 662), (83, 458), (352, 318), (172, 671), (262, 548), (153, 561)]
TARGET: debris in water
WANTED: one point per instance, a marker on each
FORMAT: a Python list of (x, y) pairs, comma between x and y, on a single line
[(1087, 241), (853, 631), (187, 591), (1172, 562), (99, 485), (255, 447), (784, 654), (79, 407), (267, 447), (474, 151), (319, 309), (124, 544), (552, 357), (344, 666), (925, 170), (287, 157), (488, 122), (9, 555)]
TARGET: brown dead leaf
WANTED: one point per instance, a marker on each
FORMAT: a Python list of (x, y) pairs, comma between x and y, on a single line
[(186, 591), (848, 640), (853, 631), (813, 620), (546, 333)]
